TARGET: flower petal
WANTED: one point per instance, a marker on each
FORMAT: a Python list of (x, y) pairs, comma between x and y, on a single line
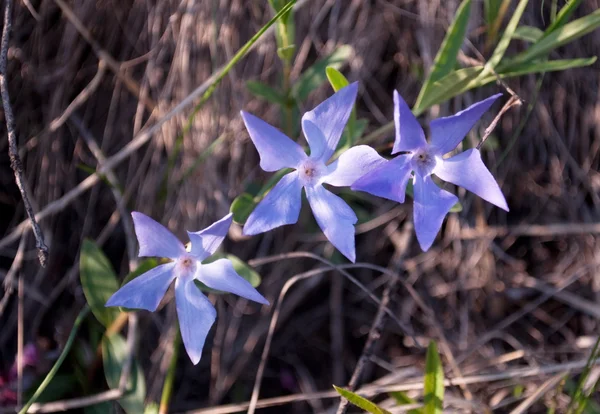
[(196, 316), (430, 207), (323, 126), (351, 165), (206, 242), (276, 150), (467, 170), (335, 218), (154, 239), (221, 275), (387, 181), (447, 132), (145, 291), (280, 206), (409, 134)]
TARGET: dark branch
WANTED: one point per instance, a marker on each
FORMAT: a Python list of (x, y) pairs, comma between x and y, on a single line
[(13, 149)]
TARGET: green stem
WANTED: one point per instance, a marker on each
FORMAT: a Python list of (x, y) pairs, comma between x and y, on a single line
[(170, 378), (82, 314)]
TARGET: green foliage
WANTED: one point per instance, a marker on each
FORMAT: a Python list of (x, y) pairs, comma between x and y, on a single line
[(528, 33), (114, 355), (336, 78), (361, 402), (580, 397), (339, 81), (98, 280), (403, 399), (266, 92), (445, 60), (563, 16), (434, 381), (284, 31), (241, 267), (315, 76)]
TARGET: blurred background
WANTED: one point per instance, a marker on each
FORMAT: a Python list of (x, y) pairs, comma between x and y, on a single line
[(498, 291)]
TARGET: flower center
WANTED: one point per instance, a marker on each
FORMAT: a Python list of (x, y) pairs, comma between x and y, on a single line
[(310, 172), (424, 161), (186, 266)]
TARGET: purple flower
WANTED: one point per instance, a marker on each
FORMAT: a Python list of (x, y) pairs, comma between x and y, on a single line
[(420, 160), (196, 313), (322, 127)]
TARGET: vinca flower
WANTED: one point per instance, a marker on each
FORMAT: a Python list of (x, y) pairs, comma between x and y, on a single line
[(196, 313), (419, 160), (322, 127)]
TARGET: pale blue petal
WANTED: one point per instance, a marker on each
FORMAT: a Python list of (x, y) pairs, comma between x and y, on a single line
[(409, 134), (276, 150), (221, 275), (145, 291), (430, 207), (280, 206), (351, 165), (335, 218), (323, 126), (154, 239), (446, 133), (468, 171), (196, 316), (206, 242), (387, 181)]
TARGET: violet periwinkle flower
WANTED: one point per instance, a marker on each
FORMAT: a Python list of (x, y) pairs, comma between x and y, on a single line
[(421, 159), (196, 313), (322, 127)]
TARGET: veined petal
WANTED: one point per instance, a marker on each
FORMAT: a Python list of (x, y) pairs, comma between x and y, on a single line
[(276, 150), (387, 181), (196, 316), (221, 275), (409, 134), (430, 207), (280, 206), (146, 290), (323, 126), (335, 218), (351, 165), (447, 132), (154, 239), (467, 170), (206, 242)]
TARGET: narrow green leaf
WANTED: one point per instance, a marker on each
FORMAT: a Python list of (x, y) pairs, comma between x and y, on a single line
[(543, 66), (445, 60), (361, 402), (560, 36), (403, 399), (434, 381), (284, 31), (505, 39), (242, 206), (98, 280), (151, 408), (315, 76), (266, 92), (563, 15), (336, 78), (114, 354), (528, 33)]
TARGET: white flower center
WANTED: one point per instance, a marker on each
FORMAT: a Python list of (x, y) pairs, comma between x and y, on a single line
[(311, 171), (186, 266), (424, 161)]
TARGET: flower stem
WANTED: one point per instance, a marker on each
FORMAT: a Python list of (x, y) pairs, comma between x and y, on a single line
[(167, 391)]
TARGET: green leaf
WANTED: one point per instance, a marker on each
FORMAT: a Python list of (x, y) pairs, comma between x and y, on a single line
[(152, 408), (403, 399), (61, 385), (495, 10), (284, 31), (361, 402), (266, 92), (143, 267), (528, 33), (563, 16), (98, 280), (315, 76), (560, 36), (445, 60), (241, 267), (505, 39), (336, 79), (114, 354), (434, 381), (543, 66)]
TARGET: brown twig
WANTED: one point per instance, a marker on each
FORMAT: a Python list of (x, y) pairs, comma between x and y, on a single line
[(13, 148), (513, 101)]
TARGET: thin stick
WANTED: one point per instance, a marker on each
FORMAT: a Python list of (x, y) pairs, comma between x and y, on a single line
[(13, 148), (513, 101), (20, 317)]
